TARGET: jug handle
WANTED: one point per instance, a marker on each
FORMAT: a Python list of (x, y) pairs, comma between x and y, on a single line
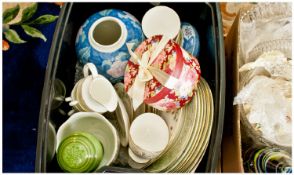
[(90, 67)]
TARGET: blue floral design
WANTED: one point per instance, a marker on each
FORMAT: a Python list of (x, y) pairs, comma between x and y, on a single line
[(107, 63), (85, 53)]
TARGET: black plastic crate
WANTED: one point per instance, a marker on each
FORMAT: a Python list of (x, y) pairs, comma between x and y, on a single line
[(206, 18)]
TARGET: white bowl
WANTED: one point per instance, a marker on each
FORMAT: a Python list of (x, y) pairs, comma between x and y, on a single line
[(97, 125)]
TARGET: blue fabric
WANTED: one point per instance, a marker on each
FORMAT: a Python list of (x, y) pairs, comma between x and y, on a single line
[(24, 67)]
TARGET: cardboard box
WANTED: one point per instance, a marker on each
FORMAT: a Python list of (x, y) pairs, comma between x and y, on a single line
[(236, 134), (231, 144)]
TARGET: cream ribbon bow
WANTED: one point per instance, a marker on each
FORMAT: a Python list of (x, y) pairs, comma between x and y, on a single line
[(147, 72)]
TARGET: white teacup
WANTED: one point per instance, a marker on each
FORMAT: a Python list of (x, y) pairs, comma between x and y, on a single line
[(149, 136), (94, 92), (161, 20)]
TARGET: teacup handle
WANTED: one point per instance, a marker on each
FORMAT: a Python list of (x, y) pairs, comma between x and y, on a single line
[(90, 67)]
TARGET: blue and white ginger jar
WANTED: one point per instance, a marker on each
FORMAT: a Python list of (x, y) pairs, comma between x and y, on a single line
[(190, 39), (102, 40)]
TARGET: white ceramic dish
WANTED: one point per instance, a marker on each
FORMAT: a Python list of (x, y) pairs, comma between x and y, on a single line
[(73, 99), (81, 104), (136, 158), (95, 124), (123, 123), (120, 89)]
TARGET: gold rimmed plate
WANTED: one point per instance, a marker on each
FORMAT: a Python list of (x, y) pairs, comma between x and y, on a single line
[(196, 129), (195, 141), (196, 150), (193, 163)]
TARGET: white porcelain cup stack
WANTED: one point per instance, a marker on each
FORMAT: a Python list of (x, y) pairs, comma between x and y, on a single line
[(149, 136), (93, 93)]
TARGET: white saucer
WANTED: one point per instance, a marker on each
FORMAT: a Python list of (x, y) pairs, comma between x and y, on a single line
[(123, 123), (136, 158)]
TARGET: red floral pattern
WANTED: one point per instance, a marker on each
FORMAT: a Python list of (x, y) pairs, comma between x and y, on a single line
[(176, 62)]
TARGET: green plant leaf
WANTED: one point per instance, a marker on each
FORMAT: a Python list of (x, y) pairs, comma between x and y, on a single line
[(28, 12), (13, 37), (44, 19), (10, 14), (33, 32)]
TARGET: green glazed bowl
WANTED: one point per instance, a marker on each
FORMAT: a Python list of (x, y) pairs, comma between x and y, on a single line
[(79, 152)]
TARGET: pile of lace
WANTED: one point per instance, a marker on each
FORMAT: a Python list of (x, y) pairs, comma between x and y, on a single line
[(266, 97)]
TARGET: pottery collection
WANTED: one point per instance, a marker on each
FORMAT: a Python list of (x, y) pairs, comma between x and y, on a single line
[(134, 96), (138, 85)]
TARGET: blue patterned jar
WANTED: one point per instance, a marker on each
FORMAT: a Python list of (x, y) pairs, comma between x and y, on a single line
[(190, 39), (102, 40)]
